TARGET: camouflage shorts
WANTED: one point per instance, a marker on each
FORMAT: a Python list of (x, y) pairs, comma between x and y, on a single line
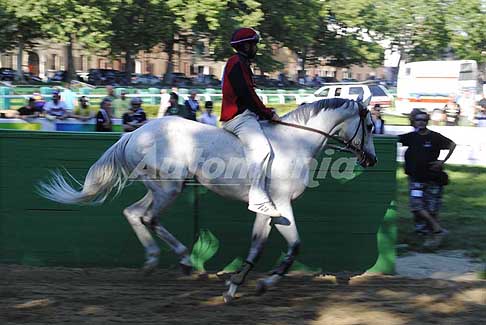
[(425, 196)]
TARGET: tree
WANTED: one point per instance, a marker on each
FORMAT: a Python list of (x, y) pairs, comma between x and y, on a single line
[(137, 25), (215, 21), (415, 28), (7, 28), (310, 29), (22, 29), (466, 24), (67, 21)]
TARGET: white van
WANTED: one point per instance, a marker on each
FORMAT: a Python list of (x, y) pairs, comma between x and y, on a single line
[(352, 90), (430, 85)]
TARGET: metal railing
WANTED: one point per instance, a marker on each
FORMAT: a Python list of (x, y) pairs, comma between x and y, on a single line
[(279, 98)]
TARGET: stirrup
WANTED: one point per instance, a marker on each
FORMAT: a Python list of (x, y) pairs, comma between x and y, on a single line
[(266, 208)]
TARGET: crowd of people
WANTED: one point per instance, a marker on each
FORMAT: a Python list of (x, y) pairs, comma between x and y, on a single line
[(64, 105)]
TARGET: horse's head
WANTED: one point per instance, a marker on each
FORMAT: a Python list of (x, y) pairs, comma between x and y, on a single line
[(357, 133)]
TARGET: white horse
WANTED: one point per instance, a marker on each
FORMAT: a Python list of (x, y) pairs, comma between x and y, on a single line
[(165, 152)]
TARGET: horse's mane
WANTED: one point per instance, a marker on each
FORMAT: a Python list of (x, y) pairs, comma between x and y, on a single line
[(304, 112)]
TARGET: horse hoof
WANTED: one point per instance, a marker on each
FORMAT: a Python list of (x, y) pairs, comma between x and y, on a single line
[(227, 298), (148, 269), (185, 269), (225, 276), (261, 288)]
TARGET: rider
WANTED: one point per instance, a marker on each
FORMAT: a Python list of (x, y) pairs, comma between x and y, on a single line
[(241, 110)]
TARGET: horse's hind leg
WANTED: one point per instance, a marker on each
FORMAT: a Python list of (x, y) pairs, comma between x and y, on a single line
[(164, 193), (134, 213), (261, 230)]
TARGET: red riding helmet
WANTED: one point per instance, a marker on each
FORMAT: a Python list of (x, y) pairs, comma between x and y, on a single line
[(244, 34)]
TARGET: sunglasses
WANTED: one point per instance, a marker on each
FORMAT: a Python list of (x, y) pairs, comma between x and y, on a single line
[(420, 119)]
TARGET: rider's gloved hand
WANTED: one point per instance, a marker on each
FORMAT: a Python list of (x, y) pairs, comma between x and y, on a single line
[(275, 117)]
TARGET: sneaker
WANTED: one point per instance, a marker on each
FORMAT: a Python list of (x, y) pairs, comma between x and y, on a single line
[(421, 229), (441, 232), (266, 208)]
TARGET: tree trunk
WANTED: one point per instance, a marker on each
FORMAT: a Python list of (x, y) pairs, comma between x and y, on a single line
[(128, 65), (20, 59), (304, 59), (169, 48), (71, 73)]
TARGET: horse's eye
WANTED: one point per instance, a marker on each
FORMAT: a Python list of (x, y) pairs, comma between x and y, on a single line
[(370, 127)]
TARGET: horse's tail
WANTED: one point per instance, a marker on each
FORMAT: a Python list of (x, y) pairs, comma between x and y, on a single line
[(109, 173)]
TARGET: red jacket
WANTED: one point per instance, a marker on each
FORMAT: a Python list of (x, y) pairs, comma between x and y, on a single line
[(239, 90)]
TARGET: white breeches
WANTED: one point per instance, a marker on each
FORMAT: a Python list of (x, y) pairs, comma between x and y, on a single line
[(258, 152)]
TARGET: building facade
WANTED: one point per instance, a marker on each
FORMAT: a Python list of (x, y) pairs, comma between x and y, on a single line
[(47, 57)]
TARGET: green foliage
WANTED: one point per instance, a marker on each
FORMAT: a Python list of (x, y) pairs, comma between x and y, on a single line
[(6, 28), (467, 29), (344, 33), (21, 21)]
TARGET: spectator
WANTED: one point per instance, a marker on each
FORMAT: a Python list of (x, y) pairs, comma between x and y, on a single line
[(29, 110), (164, 102), (56, 108), (452, 112), (69, 97), (39, 101), (110, 93), (174, 107), (82, 112), (120, 105), (103, 118), (482, 102), (379, 123), (425, 172), (192, 106), (438, 115), (481, 117), (207, 117), (135, 117)]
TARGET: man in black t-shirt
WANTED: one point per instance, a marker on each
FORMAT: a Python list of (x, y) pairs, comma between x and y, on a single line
[(424, 170), (174, 107), (136, 117), (103, 118), (29, 110)]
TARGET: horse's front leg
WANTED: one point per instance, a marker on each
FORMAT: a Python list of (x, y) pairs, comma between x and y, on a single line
[(261, 230), (291, 235)]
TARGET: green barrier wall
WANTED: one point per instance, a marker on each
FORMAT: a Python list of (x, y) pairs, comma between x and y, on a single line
[(345, 225)]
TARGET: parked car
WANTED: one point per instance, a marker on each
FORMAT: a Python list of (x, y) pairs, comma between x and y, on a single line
[(145, 79), (207, 80), (264, 81), (62, 76), (181, 80), (58, 76), (7, 74), (352, 90), (107, 77), (32, 78)]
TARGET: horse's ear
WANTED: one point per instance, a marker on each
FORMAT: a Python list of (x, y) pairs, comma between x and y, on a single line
[(367, 102), (360, 98)]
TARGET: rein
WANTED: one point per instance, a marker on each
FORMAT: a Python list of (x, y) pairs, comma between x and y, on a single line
[(348, 145)]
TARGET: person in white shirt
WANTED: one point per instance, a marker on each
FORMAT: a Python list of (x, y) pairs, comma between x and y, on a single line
[(164, 102), (69, 97), (207, 117), (56, 108)]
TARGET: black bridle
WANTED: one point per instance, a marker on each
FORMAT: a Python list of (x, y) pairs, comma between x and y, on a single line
[(346, 146)]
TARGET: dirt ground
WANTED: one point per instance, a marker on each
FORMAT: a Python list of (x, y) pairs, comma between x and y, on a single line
[(45, 295)]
